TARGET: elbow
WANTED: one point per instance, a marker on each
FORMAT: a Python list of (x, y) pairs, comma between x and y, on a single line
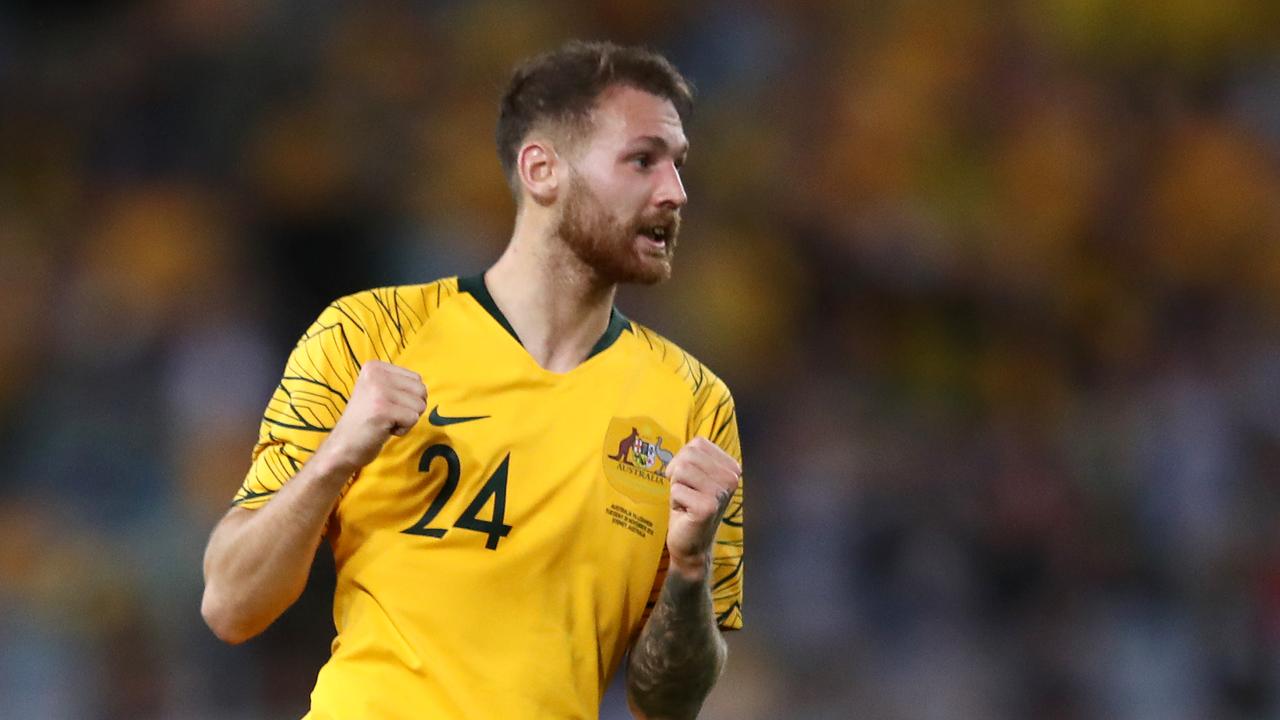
[(722, 655), (675, 692), (227, 623)]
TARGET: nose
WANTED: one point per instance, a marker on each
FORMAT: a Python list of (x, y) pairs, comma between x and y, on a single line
[(670, 192)]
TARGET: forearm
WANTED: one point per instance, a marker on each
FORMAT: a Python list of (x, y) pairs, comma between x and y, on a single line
[(257, 561), (679, 654)]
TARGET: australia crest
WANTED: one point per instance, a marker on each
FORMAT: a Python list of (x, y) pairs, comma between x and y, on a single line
[(636, 454)]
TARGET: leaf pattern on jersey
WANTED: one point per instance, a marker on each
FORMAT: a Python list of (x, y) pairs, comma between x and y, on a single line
[(321, 373), (714, 417)]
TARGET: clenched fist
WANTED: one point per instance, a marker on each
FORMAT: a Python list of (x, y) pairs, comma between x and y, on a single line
[(703, 479), (387, 400)]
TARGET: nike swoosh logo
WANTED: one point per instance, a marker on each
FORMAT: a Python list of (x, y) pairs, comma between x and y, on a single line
[(437, 419)]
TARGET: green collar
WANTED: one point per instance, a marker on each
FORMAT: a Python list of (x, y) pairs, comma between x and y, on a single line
[(474, 285)]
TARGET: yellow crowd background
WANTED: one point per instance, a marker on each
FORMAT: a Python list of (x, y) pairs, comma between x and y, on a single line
[(996, 286)]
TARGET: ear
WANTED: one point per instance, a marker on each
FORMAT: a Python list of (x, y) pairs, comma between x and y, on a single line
[(540, 173)]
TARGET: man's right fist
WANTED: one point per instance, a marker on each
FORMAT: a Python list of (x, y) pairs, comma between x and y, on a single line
[(387, 400)]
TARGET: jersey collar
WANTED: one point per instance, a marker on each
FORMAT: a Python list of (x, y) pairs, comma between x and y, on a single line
[(474, 285)]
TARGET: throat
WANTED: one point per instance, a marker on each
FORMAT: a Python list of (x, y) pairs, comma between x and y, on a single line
[(558, 328), (561, 347), (560, 359)]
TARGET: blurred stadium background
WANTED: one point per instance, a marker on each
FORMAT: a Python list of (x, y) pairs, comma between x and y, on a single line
[(996, 285)]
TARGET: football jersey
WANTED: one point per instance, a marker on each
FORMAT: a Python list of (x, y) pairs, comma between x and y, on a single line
[(497, 560)]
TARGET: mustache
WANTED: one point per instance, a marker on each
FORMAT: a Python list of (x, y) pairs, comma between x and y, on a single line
[(668, 220)]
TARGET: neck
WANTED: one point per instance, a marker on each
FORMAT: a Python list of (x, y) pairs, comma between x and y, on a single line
[(557, 305)]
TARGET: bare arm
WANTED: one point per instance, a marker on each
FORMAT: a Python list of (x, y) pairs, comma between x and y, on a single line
[(680, 653), (257, 561)]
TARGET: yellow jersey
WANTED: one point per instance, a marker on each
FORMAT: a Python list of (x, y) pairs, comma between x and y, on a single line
[(498, 560)]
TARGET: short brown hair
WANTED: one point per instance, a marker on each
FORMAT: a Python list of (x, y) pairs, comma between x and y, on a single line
[(562, 86)]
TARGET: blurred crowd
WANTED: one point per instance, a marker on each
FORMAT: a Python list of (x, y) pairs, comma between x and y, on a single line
[(996, 286)]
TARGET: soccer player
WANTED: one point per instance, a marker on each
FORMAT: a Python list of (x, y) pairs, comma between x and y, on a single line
[(519, 484)]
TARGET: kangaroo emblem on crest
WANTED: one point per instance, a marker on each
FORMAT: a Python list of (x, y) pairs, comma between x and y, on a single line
[(624, 447)]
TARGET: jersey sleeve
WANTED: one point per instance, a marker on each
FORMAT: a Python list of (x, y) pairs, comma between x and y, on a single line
[(718, 422), (320, 375)]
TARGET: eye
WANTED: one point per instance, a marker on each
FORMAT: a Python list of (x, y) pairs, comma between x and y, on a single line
[(643, 161)]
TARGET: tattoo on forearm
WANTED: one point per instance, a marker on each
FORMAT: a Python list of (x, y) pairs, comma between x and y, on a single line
[(678, 655)]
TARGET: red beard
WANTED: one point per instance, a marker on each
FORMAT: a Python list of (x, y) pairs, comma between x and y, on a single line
[(608, 247)]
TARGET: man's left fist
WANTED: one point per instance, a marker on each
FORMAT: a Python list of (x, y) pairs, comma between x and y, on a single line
[(703, 479)]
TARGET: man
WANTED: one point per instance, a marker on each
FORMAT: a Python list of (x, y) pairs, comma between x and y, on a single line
[(499, 557)]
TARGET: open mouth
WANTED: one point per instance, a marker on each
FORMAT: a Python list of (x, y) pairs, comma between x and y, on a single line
[(657, 236)]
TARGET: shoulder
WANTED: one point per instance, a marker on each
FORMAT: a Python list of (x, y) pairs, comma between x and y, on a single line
[(704, 386), (396, 304), (712, 413), (379, 322)]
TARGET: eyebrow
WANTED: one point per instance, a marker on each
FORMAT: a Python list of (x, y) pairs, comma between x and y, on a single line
[(662, 144)]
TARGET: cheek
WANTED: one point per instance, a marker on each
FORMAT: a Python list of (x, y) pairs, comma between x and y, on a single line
[(622, 208), (629, 203), (623, 192)]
